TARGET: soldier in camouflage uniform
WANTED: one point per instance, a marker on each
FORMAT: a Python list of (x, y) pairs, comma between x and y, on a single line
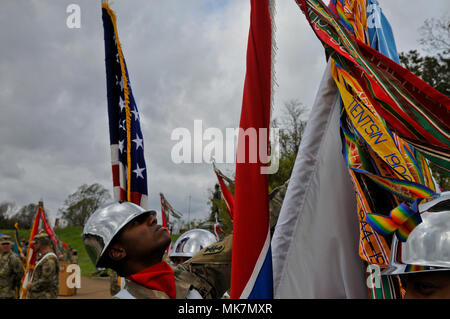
[(133, 245), (45, 278), (74, 259), (11, 269)]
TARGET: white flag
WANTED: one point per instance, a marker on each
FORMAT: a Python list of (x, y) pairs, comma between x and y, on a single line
[(315, 243)]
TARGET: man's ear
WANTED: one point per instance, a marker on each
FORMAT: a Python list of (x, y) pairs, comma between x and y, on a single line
[(116, 252)]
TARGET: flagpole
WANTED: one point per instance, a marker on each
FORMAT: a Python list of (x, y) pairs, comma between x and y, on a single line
[(189, 210), (30, 251)]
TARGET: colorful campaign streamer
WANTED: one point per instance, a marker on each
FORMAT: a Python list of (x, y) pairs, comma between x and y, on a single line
[(402, 220), (385, 123), (410, 107)]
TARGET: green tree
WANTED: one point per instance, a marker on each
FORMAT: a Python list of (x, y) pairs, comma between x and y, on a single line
[(291, 127), (218, 206), (433, 68), (82, 203), (25, 216), (5, 221)]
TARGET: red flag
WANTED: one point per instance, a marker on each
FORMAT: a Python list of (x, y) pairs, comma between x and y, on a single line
[(218, 229), (50, 232), (164, 213), (227, 196), (31, 253), (251, 271), (167, 210)]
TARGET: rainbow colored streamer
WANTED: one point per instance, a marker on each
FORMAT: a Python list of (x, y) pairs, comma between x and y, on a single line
[(414, 268), (406, 190), (402, 220)]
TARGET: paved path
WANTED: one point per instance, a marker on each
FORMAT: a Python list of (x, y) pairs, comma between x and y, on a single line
[(91, 288)]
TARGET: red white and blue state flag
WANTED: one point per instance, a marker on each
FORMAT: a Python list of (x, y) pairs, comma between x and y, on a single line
[(127, 142), (251, 270)]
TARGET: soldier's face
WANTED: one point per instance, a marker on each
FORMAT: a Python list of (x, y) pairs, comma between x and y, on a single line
[(37, 246), (143, 238), (427, 285), (6, 247)]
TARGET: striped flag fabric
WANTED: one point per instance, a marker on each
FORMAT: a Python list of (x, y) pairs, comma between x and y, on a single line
[(411, 108), (17, 247), (369, 80), (217, 229), (251, 269), (127, 142), (166, 211), (49, 230), (31, 253)]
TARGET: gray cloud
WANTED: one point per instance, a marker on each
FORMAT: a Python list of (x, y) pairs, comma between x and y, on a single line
[(186, 61)]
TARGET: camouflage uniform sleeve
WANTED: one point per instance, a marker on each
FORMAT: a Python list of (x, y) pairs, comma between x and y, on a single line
[(17, 270), (114, 287), (209, 271), (47, 277)]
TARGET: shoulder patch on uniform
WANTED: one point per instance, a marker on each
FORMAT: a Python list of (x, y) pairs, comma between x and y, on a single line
[(214, 249)]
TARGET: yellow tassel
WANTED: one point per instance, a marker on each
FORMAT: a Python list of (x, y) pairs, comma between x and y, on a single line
[(126, 95)]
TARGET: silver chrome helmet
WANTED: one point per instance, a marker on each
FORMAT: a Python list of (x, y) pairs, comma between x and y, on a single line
[(191, 242), (104, 224), (428, 246)]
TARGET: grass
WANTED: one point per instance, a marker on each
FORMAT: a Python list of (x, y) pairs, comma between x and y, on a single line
[(71, 236)]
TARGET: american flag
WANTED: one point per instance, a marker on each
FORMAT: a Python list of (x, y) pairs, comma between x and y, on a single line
[(127, 142)]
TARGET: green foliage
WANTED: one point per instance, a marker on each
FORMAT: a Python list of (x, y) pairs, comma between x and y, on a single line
[(284, 171), (25, 216), (5, 221), (81, 204), (72, 236), (69, 235), (433, 69), (441, 177), (218, 206), (291, 128)]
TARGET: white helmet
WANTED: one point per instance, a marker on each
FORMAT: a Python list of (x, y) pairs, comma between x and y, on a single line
[(428, 245), (191, 242), (104, 224)]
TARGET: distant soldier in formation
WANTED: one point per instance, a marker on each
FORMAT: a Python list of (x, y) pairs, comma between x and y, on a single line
[(45, 278), (11, 270), (124, 237), (74, 259)]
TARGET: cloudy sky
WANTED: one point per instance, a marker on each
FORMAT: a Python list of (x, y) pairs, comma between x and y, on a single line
[(186, 61)]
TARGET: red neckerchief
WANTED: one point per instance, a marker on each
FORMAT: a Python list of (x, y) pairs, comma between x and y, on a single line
[(157, 277)]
